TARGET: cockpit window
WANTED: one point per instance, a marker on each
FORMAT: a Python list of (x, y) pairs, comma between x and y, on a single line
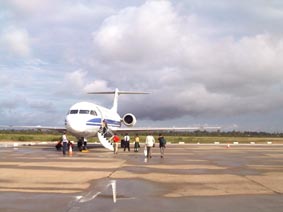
[(92, 112), (73, 111), (84, 111)]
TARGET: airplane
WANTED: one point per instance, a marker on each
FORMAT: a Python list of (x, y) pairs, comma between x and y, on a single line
[(84, 120)]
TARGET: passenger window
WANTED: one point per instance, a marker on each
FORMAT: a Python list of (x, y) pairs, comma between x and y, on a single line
[(84, 111), (73, 111), (92, 112)]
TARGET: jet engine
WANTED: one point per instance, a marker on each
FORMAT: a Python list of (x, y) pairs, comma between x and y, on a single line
[(129, 120)]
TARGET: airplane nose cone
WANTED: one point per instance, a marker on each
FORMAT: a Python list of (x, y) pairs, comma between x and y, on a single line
[(75, 125)]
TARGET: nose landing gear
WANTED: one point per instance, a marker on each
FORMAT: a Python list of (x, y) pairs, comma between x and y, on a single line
[(82, 144)]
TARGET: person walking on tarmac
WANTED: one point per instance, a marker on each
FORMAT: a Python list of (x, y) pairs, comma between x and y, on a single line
[(137, 143), (162, 144), (64, 143), (80, 143), (149, 143), (127, 142), (116, 140)]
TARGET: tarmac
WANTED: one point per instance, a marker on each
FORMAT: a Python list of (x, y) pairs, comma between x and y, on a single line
[(194, 178)]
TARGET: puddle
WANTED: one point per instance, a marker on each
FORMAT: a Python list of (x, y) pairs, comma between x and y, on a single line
[(105, 195)]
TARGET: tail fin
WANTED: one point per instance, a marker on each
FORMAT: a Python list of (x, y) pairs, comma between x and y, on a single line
[(116, 94)]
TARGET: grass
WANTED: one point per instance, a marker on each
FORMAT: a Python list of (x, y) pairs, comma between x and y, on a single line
[(43, 136), (25, 137), (225, 140)]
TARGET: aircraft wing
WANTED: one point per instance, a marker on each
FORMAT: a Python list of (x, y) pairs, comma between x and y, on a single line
[(37, 127), (165, 129)]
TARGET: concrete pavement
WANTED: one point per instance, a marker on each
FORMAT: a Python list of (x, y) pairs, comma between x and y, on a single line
[(189, 178)]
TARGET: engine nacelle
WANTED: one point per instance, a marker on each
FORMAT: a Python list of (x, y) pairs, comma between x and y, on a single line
[(129, 120)]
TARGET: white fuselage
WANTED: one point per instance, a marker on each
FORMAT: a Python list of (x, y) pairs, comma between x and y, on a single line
[(84, 119)]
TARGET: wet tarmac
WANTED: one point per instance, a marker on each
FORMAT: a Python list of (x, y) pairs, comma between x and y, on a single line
[(189, 178)]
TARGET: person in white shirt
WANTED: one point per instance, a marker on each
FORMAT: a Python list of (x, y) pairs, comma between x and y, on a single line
[(149, 143), (127, 142), (64, 143)]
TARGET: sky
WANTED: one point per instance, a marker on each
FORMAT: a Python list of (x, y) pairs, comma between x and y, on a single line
[(206, 63)]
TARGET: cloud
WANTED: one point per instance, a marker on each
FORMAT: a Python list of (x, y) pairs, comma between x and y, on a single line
[(19, 110), (16, 41), (76, 83), (97, 85), (204, 72), (139, 34), (28, 6)]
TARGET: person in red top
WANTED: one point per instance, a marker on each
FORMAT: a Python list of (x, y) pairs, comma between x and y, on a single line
[(116, 140)]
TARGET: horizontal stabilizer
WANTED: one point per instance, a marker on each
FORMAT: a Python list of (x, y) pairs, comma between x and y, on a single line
[(119, 92), (116, 94)]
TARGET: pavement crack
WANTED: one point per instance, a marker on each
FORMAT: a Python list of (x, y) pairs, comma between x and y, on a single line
[(264, 186), (116, 169)]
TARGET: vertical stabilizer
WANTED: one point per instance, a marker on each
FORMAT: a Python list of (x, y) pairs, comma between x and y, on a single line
[(115, 101)]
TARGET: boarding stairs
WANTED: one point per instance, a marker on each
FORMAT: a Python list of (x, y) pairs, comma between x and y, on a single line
[(104, 140)]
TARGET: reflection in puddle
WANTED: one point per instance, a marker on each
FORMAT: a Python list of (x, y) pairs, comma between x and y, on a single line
[(93, 194)]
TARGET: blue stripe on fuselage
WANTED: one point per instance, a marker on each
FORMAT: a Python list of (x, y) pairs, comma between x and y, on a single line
[(94, 122), (97, 122)]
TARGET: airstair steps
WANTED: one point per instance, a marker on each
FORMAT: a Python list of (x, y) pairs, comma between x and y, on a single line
[(105, 141)]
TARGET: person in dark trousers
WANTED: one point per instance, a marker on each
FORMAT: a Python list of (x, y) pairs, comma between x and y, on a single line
[(64, 143), (127, 142), (122, 143), (104, 127), (80, 143), (149, 144), (137, 143), (162, 145)]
